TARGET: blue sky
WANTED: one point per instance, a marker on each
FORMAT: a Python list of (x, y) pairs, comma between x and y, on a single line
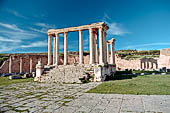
[(135, 24)]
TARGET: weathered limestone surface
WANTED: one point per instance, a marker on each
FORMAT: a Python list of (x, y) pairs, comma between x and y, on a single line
[(27, 60), (164, 59), (65, 73), (34, 97)]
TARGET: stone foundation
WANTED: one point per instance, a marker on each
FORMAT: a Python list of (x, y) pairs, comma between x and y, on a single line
[(73, 73)]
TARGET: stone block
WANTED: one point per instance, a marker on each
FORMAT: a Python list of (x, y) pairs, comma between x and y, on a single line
[(16, 76)]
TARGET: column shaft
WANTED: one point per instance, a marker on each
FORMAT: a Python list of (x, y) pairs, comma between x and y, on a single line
[(54, 50), (57, 49), (65, 48), (20, 64), (108, 53), (49, 49), (10, 64), (81, 60), (105, 46), (97, 49), (101, 57), (91, 46), (30, 65), (140, 65), (113, 52)]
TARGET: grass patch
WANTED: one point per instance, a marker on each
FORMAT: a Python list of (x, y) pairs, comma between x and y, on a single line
[(148, 84), (7, 81)]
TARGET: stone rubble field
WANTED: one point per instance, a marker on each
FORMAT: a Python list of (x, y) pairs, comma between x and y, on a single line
[(33, 97)]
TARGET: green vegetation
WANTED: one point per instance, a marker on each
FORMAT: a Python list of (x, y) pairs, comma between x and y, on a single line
[(6, 81), (134, 54), (147, 84), (3, 58)]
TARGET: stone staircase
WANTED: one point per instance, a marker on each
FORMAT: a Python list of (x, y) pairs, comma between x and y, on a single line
[(66, 73)]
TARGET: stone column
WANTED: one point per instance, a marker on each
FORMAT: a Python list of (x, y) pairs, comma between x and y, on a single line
[(151, 65), (156, 65), (101, 57), (112, 56), (147, 65), (57, 48), (81, 60), (49, 50), (108, 53), (54, 50), (105, 46), (65, 48), (30, 65), (20, 64), (91, 46), (94, 45), (10, 64), (97, 49), (140, 65)]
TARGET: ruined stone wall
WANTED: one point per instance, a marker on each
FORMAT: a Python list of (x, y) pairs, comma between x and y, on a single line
[(5, 67), (26, 62), (164, 59), (126, 64)]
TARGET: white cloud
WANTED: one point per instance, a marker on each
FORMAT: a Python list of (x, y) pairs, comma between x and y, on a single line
[(43, 30), (4, 39), (45, 25), (11, 26), (114, 28), (147, 44), (35, 44), (16, 13)]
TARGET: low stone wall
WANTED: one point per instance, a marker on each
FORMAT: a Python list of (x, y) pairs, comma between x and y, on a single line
[(122, 64), (26, 62)]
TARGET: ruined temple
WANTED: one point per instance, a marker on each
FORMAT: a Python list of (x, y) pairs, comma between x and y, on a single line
[(99, 65)]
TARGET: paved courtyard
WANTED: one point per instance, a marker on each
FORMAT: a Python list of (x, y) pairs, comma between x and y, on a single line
[(36, 97)]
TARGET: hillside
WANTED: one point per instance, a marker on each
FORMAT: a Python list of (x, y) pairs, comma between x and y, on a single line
[(134, 54)]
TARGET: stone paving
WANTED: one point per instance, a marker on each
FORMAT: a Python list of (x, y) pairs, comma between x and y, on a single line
[(39, 97), (36, 97)]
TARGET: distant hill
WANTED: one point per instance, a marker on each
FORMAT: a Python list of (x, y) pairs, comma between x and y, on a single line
[(134, 54)]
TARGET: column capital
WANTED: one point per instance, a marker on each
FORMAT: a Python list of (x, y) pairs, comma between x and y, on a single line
[(56, 34), (49, 35)]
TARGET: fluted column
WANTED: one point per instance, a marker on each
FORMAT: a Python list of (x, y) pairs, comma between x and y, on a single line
[(20, 64), (140, 65), (30, 65), (147, 65), (81, 60), (54, 50), (101, 55), (112, 52), (108, 53), (49, 49), (57, 48), (97, 49), (105, 46), (65, 48), (91, 46), (10, 64)]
